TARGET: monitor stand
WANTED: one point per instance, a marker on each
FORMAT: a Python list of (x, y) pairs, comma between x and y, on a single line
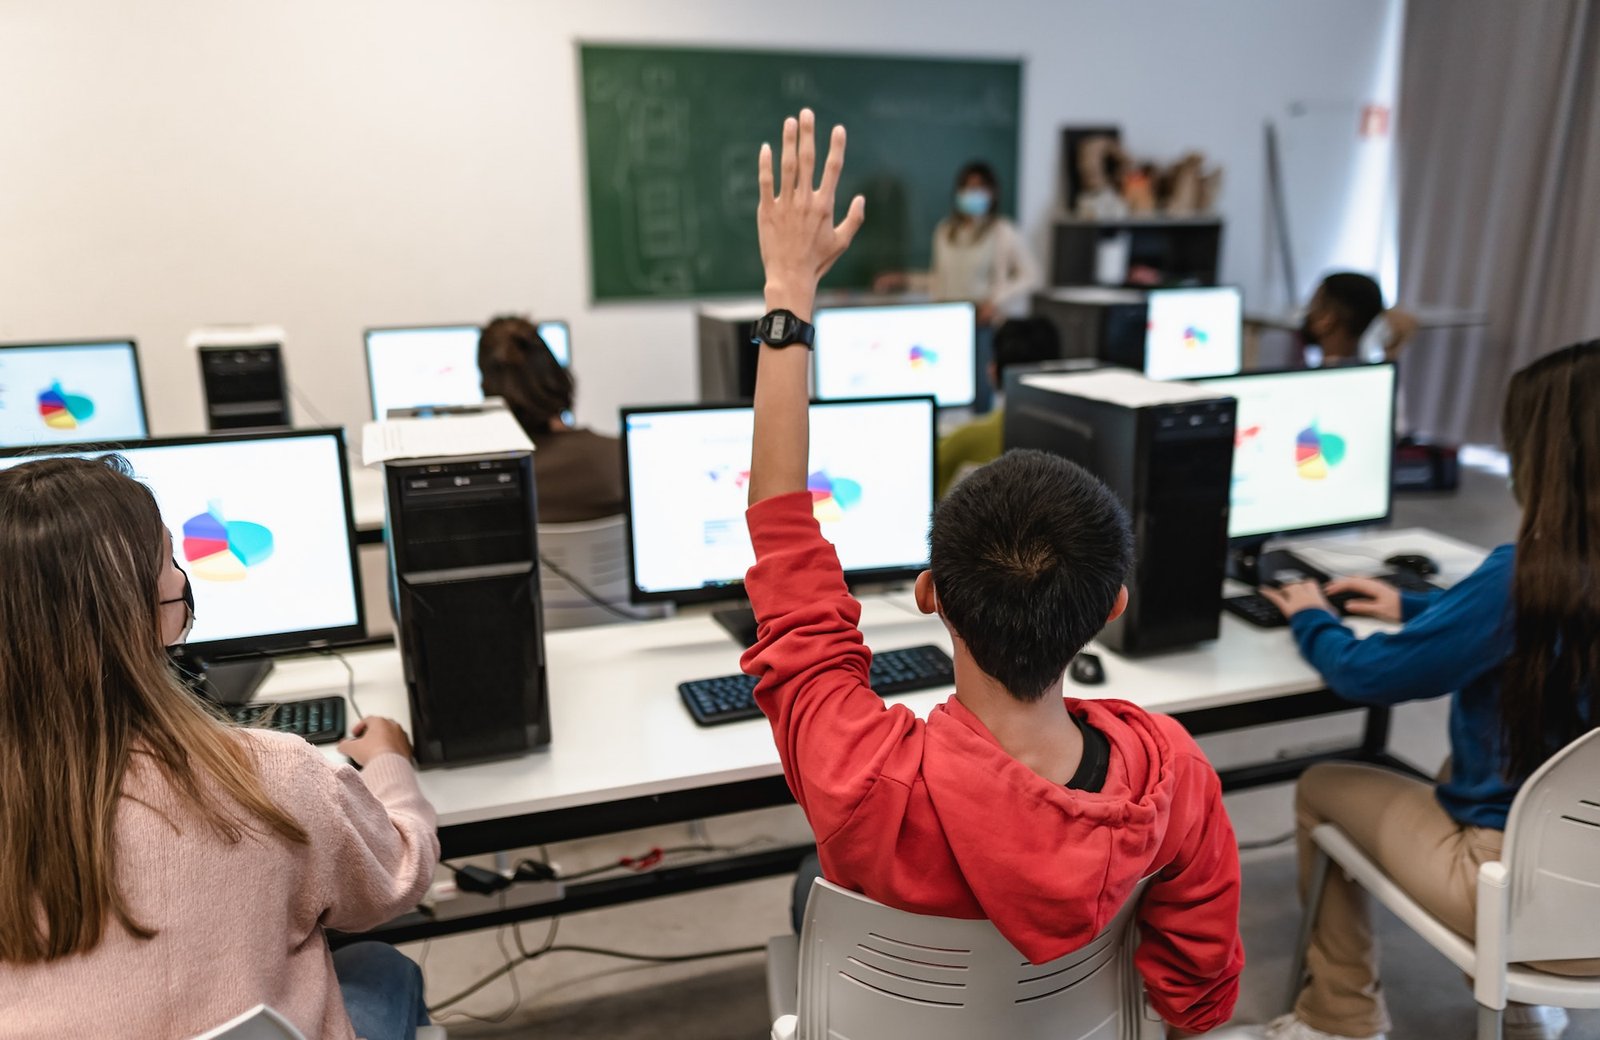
[(229, 683), (1244, 560), (740, 623)]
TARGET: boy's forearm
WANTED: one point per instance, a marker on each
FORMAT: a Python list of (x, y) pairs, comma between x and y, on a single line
[(781, 442)]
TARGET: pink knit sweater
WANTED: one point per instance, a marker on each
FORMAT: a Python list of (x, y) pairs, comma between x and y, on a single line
[(238, 925)]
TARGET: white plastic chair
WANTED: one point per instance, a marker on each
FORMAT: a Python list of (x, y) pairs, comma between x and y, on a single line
[(595, 552), (863, 971), (1540, 902), (263, 1023)]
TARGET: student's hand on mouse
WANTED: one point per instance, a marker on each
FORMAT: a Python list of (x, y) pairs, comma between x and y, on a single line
[(1374, 598), (374, 736), (799, 240), (1292, 599)]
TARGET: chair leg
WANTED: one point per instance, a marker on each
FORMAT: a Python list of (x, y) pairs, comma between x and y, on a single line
[(1490, 1021), (1297, 966)]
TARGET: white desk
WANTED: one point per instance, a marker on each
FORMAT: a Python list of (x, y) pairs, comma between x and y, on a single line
[(621, 732), (366, 502), (625, 752), (1428, 317)]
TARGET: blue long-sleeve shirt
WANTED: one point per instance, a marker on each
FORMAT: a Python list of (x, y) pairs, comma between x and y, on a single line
[(1453, 642)]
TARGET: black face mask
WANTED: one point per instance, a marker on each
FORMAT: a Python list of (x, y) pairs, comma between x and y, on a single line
[(187, 599)]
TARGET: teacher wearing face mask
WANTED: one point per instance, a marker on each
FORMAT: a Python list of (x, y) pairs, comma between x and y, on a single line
[(978, 255)]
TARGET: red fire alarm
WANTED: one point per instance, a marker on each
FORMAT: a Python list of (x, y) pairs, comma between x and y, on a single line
[(1375, 121)]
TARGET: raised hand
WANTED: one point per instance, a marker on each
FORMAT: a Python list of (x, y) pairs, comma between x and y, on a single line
[(794, 220)]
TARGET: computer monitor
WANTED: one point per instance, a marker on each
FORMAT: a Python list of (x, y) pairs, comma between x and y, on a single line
[(903, 350), (687, 470), (70, 393), (419, 366), (1194, 333), (1313, 449), (261, 522)]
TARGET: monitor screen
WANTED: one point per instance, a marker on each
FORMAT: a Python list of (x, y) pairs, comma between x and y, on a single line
[(1193, 333), (437, 364), (70, 393), (261, 522), (906, 350), (688, 469), (1313, 449)]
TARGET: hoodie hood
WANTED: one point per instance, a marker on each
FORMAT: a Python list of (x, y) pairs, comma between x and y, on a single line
[(1050, 865)]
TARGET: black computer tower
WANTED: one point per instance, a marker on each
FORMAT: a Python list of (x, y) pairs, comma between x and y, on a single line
[(464, 555), (1166, 450), (727, 354), (245, 387), (1108, 324)]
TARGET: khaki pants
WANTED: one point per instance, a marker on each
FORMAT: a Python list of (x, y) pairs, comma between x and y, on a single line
[(1395, 820)]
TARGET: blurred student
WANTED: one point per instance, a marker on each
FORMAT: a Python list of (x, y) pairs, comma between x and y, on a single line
[(1346, 323), (1011, 802), (1513, 646), (979, 256), (163, 871), (578, 471), (1019, 341)]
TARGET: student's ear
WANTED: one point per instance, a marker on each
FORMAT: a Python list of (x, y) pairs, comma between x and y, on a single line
[(927, 598), (1119, 606)]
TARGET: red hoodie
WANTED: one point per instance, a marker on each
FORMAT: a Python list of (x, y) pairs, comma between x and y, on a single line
[(936, 818)]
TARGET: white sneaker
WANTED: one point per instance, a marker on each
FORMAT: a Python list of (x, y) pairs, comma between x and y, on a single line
[(1286, 1027), (1534, 1022)]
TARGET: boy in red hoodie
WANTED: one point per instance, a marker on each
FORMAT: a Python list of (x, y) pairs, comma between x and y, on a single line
[(1012, 803)]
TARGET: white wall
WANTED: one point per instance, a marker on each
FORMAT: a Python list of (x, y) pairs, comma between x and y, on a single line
[(333, 164)]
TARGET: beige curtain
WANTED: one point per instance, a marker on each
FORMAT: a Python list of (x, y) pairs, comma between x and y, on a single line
[(1499, 151)]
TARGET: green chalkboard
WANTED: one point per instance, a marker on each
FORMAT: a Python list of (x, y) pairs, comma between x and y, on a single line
[(671, 136)]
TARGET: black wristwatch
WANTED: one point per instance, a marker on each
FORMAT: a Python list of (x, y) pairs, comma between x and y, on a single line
[(782, 328)]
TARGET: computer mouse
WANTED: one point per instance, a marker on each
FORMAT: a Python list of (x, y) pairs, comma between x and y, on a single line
[(1087, 670), (1416, 563)]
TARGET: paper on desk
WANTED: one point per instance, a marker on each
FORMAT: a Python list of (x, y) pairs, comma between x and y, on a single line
[(441, 436), (1120, 386)]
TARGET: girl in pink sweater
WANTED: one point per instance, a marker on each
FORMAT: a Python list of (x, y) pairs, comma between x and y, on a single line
[(162, 871)]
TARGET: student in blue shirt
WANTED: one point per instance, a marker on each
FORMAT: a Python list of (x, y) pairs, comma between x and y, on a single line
[(1515, 646)]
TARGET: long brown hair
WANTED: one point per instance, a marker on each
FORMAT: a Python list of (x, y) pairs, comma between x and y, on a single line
[(1551, 425), (516, 364), (85, 686)]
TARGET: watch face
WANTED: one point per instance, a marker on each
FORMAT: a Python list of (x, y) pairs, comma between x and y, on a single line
[(779, 326)]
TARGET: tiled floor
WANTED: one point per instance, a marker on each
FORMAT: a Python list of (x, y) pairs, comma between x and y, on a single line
[(582, 996)]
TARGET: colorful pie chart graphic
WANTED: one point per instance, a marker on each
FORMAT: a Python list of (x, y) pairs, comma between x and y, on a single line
[(63, 411), (1194, 338), (922, 357), (832, 497), (1316, 453), (223, 550)]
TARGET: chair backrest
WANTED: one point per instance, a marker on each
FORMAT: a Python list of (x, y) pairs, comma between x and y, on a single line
[(869, 972), (595, 553), (259, 1023), (1552, 854)]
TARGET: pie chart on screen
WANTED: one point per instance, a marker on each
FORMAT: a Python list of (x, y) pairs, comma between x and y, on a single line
[(218, 549), (1317, 452), (63, 411), (832, 497)]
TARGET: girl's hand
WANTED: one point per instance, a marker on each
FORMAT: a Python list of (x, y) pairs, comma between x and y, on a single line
[(799, 240), (1300, 596), (374, 736), (1375, 599)]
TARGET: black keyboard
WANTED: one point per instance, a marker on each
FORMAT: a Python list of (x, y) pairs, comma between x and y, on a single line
[(729, 698), (1259, 611), (318, 719)]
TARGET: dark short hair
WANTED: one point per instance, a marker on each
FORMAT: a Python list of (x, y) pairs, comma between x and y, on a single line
[(1024, 341), (1356, 299), (1028, 555)]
